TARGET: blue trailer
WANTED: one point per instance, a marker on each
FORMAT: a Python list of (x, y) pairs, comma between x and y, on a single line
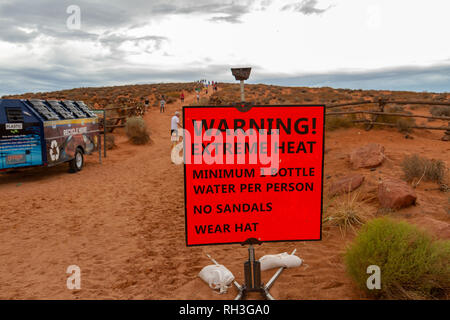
[(46, 133)]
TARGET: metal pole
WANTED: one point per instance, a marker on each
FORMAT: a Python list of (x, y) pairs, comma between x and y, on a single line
[(104, 133), (100, 147)]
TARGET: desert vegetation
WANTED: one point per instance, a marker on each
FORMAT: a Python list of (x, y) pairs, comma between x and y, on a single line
[(416, 167), (439, 111), (347, 212), (411, 260), (124, 96), (413, 264), (136, 130)]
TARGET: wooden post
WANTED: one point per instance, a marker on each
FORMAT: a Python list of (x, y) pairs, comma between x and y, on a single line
[(381, 105)]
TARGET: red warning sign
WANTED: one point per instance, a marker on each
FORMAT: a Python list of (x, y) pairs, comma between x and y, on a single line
[(254, 174)]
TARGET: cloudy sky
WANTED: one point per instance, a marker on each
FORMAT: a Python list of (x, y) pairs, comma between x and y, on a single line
[(46, 45)]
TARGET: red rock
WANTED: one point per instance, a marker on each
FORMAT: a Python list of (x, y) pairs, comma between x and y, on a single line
[(346, 184), (369, 156), (396, 194)]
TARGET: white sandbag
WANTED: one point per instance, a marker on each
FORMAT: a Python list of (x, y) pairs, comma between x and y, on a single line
[(217, 277), (284, 259)]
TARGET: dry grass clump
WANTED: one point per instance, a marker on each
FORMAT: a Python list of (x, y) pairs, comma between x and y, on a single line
[(403, 124), (412, 264), (204, 101), (136, 130), (347, 212), (440, 111), (396, 109), (416, 167), (333, 122)]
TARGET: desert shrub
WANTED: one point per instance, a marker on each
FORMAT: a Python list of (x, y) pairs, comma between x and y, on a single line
[(440, 111), (136, 130), (173, 94), (335, 122), (347, 213), (204, 101), (402, 123), (417, 167), (396, 109), (412, 264)]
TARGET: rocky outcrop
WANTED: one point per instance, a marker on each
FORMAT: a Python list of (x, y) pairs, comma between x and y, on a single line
[(346, 184), (396, 194), (369, 156)]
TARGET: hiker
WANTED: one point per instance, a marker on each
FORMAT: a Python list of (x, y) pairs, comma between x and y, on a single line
[(162, 104), (182, 97), (146, 104), (198, 97), (174, 124)]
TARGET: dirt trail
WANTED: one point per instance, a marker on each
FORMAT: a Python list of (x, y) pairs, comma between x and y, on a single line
[(122, 223)]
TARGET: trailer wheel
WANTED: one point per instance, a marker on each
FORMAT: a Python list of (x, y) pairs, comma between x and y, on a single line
[(76, 164)]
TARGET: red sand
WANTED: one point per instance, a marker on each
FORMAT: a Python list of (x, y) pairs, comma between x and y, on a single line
[(122, 223)]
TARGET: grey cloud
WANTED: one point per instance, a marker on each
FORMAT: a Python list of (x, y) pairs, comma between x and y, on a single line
[(48, 17), (435, 79), (59, 77), (306, 7), (114, 41), (68, 74), (11, 33), (227, 19)]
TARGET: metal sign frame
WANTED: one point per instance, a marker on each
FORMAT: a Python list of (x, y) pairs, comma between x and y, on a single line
[(321, 165)]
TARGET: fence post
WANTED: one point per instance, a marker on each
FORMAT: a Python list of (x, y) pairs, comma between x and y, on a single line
[(381, 104)]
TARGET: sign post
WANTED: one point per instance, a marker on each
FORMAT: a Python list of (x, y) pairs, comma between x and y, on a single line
[(241, 182), (253, 174), (241, 74)]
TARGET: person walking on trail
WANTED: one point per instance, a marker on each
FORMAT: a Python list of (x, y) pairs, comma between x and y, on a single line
[(174, 124), (198, 97), (162, 105), (182, 97)]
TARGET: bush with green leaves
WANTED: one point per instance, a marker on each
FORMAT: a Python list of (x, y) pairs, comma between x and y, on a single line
[(136, 130), (413, 265)]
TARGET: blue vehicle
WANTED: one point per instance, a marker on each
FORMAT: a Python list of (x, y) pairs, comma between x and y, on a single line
[(46, 133)]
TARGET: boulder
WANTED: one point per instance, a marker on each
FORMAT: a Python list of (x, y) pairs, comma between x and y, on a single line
[(369, 156), (346, 184), (396, 194)]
